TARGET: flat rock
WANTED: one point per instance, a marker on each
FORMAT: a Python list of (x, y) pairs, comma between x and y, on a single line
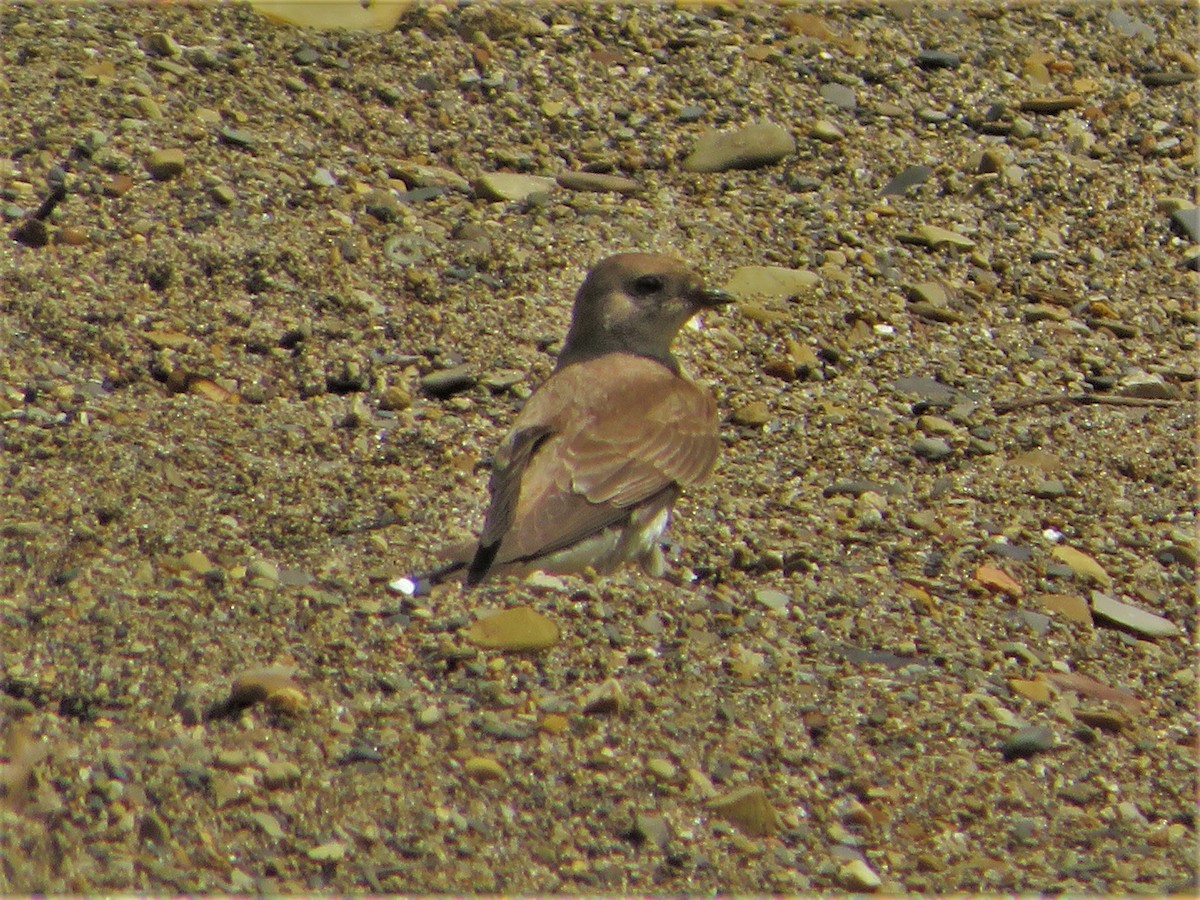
[(598, 182), (1027, 741), (164, 165), (1187, 221), (446, 382), (770, 281), (938, 59), (508, 186), (520, 629), (1135, 619), (910, 177), (754, 145), (839, 95)]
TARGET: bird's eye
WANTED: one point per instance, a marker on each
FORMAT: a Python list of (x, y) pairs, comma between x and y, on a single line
[(648, 284)]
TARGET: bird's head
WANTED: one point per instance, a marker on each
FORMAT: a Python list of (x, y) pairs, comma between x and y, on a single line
[(635, 303)]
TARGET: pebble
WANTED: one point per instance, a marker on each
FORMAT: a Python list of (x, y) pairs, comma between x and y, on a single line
[(507, 186), (1081, 563), (938, 59), (774, 282), (749, 809), (930, 292), (839, 95), (484, 768), (1138, 620), (1070, 606), (651, 829), (518, 629), (164, 165), (752, 415), (772, 599), (606, 698), (595, 181), (1187, 221), (826, 131), (1027, 741), (447, 382), (931, 448), (749, 147), (908, 178), (934, 237), (1054, 104), (858, 876)]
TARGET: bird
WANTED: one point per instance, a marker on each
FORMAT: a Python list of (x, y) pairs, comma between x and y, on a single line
[(589, 472)]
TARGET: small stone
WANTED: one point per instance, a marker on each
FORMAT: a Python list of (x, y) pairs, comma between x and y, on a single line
[(223, 194), (333, 851), (595, 181), (752, 415), (1027, 741), (395, 398), (384, 206), (164, 165), (1038, 691), (772, 599), (932, 449), (160, 43), (1052, 104), (928, 292), (518, 629), (933, 236), (1137, 620), (1069, 606), (749, 809), (858, 876), (908, 178), (1049, 489), (938, 59), (826, 131), (281, 774), (236, 137), (1187, 222), (484, 768), (754, 145), (604, 699), (839, 95), (498, 186), (1111, 720), (651, 829), (775, 282), (1081, 564), (447, 382), (663, 769)]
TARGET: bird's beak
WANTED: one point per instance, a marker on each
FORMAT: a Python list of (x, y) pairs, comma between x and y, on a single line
[(714, 297)]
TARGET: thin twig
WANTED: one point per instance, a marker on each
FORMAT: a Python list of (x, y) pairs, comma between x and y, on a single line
[(1082, 400)]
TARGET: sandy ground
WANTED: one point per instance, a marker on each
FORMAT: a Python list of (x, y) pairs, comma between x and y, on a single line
[(929, 628)]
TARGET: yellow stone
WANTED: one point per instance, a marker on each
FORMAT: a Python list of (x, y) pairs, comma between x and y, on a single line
[(749, 810), (519, 629), (1082, 564)]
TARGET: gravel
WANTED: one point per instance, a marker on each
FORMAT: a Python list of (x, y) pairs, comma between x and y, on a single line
[(271, 297)]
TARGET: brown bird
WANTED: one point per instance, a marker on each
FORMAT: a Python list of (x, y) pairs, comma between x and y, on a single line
[(596, 459)]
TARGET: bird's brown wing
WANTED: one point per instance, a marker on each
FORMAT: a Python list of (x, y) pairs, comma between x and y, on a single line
[(620, 429)]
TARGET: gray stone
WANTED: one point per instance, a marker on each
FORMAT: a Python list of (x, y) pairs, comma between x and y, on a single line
[(1187, 221), (754, 145), (839, 95), (938, 59), (447, 382), (595, 181), (1138, 620), (932, 449), (1027, 741), (507, 186), (910, 177)]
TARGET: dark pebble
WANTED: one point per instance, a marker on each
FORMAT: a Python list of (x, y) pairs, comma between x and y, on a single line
[(1027, 741), (1187, 222), (447, 382), (910, 177), (938, 59), (306, 56)]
